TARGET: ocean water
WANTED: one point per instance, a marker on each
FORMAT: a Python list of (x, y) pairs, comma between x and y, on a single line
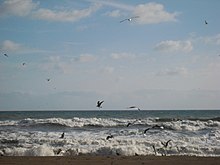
[(38, 133)]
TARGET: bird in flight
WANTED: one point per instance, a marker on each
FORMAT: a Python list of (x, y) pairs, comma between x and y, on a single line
[(109, 137), (48, 79), (165, 144), (99, 104), (206, 22), (23, 63), (134, 107), (5, 55), (129, 19)]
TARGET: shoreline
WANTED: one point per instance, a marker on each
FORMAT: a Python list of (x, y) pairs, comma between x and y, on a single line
[(111, 160)]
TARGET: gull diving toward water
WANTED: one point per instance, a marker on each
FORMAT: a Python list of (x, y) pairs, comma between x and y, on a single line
[(129, 19), (99, 103)]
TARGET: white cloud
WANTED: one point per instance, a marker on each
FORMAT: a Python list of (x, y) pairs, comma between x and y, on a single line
[(124, 55), (64, 16), (173, 72), (10, 46), (114, 13), (172, 46), (211, 39), (85, 58), (17, 7), (151, 13)]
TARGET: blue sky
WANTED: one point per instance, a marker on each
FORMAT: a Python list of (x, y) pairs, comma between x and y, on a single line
[(167, 58)]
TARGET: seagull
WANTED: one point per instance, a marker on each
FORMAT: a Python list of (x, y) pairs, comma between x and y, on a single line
[(62, 136), (99, 103), (5, 55), (165, 144), (155, 151), (134, 107), (129, 19), (48, 79), (206, 22), (158, 127), (133, 122), (23, 63), (146, 130), (109, 137)]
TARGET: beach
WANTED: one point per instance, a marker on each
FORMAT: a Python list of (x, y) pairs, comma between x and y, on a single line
[(110, 160)]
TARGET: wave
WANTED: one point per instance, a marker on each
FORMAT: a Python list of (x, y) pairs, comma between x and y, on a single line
[(60, 123)]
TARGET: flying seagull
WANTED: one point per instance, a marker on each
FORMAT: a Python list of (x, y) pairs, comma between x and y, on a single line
[(129, 19), (48, 79), (165, 144), (5, 55), (146, 130), (62, 136), (99, 103), (109, 137), (206, 22), (134, 107), (23, 63)]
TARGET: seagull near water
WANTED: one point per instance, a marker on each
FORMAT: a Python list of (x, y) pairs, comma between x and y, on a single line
[(134, 107), (129, 19), (99, 104)]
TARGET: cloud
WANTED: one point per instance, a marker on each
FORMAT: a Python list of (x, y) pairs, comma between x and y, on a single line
[(173, 72), (151, 13), (85, 58), (114, 13), (17, 48), (211, 39), (17, 7), (124, 55), (10, 46), (173, 46), (64, 16)]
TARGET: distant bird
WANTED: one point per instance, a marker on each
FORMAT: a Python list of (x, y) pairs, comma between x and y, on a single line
[(62, 136), (109, 137), (5, 55), (157, 127), (99, 103), (146, 130), (48, 79), (23, 63), (165, 144), (129, 19), (155, 151), (58, 152), (206, 22), (134, 107), (133, 122), (129, 124)]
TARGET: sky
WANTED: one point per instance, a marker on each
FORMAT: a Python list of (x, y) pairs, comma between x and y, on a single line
[(166, 57)]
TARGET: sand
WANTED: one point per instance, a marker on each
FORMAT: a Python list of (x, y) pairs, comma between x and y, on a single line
[(109, 160)]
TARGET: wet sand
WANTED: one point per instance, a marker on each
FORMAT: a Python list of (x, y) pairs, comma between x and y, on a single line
[(109, 160)]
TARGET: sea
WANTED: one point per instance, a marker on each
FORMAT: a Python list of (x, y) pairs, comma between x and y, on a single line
[(106, 133)]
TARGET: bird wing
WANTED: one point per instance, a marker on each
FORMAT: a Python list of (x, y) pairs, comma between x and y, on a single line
[(123, 20), (134, 17)]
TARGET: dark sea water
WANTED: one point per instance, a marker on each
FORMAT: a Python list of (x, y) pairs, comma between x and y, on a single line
[(38, 133)]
